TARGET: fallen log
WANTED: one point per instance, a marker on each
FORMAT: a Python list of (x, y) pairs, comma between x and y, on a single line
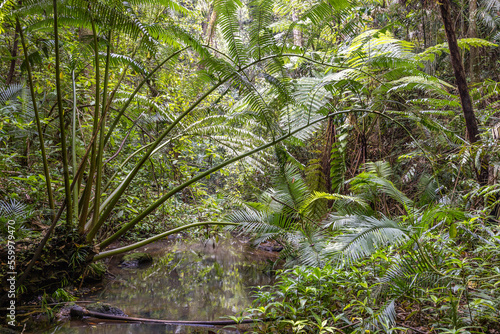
[(78, 311)]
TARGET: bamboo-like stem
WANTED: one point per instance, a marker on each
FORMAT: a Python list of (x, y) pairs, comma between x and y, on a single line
[(125, 106), (38, 124), (124, 163), (57, 216), (113, 125), (115, 196), (117, 193), (90, 179), (82, 164), (100, 151), (156, 237), (110, 202), (122, 76), (162, 199), (69, 212), (73, 146)]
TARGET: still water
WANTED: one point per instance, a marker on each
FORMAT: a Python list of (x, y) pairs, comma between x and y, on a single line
[(187, 281)]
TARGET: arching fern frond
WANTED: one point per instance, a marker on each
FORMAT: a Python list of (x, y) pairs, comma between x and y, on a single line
[(227, 21), (117, 60), (261, 39), (10, 92), (363, 236), (464, 43), (13, 209), (170, 4)]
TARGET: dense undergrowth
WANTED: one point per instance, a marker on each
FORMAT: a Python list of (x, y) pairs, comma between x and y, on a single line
[(379, 294), (434, 269)]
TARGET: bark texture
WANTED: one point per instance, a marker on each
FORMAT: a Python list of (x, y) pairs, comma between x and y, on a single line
[(474, 52), (458, 69), (326, 158), (15, 48)]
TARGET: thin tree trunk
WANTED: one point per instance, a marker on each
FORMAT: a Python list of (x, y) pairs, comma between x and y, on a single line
[(88, 187), (15, 47), (458, 69), (422, 2), (297, 34), (210, 33), (473, 58), (462, 29), (327, 154), (62, 127), (38, 123)]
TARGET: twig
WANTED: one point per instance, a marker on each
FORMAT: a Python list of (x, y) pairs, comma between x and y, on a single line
[(413, 329), (123, 142)]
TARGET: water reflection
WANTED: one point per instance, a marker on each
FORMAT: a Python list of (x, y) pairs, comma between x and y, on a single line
[(85, 327), (194, 281)]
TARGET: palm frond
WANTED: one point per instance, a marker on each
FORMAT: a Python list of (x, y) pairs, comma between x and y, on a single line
[(13, 209), (465, 43), (362, 180), (411, 275), (367, 234), (349, 200), (170, 4), (10, 92), (227, 21), (118, 59)]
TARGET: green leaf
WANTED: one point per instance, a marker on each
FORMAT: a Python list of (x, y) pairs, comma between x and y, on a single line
[(453, 231)]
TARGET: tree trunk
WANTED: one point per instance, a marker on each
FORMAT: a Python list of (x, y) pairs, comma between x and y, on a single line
[(210, 33), (78, 312), (15, 47), (422, 2), (327, 154), (473, 56), (458, 69), (297, 34)]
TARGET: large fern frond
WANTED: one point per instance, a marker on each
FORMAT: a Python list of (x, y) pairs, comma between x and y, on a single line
[(13, 209), (364, 235)]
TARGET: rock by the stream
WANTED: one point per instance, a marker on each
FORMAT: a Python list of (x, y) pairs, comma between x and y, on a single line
[(270, 246), (106, 309), (136, 259)]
